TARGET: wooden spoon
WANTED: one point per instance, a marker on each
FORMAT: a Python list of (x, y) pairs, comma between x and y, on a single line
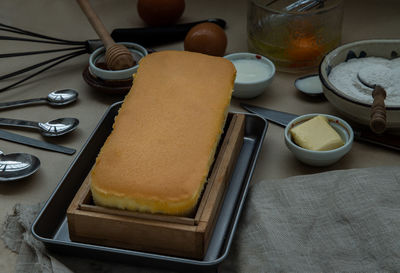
[(117, 56), (378, 110), (377, 121)]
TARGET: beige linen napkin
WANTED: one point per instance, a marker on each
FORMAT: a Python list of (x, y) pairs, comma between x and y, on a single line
[(338, 221)]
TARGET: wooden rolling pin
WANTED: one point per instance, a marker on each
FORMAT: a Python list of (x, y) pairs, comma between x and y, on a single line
[(117, 56)]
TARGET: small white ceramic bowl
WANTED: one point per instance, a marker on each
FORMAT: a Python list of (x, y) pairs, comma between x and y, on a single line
[(138, 52), (254, 74), (321, 158)]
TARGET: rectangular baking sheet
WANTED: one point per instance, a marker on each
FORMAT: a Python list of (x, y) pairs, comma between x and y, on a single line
[(51, 227)]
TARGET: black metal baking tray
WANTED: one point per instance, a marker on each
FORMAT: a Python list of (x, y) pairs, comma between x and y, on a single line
[(51, 227)]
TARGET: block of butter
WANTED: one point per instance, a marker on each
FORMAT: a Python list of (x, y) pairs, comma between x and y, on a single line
[(316, 134)]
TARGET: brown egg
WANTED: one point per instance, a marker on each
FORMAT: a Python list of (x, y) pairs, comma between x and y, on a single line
[(160, 12), (207, 38)]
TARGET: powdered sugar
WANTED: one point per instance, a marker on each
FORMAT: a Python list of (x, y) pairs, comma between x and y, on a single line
[(372, 70)]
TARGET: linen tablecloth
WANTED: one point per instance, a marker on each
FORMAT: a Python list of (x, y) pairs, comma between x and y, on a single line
[(337, 221)]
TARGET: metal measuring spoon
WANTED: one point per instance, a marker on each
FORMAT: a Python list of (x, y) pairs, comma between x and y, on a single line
[(51, 128), (55, 98), (17, 166)]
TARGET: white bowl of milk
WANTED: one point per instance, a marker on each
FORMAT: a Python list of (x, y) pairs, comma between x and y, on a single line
[(253, 74)]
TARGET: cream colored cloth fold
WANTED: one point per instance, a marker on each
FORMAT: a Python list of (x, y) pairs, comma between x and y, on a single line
[(337, 221)]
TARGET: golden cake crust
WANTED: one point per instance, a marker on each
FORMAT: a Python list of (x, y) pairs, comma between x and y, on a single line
[(158, 156)]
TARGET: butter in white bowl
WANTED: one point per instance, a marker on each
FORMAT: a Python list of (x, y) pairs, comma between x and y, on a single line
[(316, 134), (319, 139)]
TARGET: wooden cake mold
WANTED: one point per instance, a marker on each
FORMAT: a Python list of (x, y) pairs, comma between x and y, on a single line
[(163, 234), (51, 226)]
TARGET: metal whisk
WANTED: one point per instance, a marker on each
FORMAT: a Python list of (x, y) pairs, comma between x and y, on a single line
[(301, 5), (148, 36), (74, 49)]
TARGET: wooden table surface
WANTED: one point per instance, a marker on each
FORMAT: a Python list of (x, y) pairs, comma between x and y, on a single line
[(362, 20)]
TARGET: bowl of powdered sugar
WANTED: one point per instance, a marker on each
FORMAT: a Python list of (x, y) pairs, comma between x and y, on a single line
[(349, 73)]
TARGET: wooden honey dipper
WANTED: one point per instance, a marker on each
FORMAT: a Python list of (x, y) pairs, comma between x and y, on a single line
[(117, 56)]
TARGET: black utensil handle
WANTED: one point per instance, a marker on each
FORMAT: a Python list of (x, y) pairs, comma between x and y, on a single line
[(35, 143), (19, 123), (10, 104), (150, 36), (385, 140)]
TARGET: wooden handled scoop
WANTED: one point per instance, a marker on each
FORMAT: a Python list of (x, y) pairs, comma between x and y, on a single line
[(378, 109), (117, 56)]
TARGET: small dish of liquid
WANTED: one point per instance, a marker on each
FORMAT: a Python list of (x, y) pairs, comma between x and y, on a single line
[(253, 74)]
